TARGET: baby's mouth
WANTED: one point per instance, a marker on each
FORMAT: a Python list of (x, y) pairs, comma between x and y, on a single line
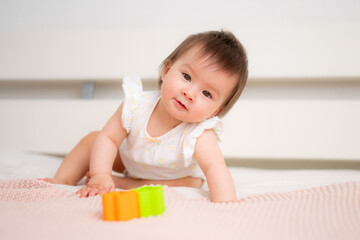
[(181, 104)]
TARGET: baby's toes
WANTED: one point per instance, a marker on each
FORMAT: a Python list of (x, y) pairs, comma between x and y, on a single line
[(49, 180)]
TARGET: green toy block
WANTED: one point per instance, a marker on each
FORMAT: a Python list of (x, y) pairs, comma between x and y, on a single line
[(151, 200)]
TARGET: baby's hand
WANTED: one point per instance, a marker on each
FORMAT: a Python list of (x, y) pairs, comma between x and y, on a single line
[(87, 175), (97, 185)]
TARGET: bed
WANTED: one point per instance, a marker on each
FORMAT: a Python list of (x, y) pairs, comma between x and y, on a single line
[(272, 204), (301, 110)]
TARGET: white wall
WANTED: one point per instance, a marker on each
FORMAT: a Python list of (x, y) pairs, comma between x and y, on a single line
[(52, 39)]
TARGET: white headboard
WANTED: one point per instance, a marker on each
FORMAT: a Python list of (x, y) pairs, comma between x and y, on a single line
[(254, 129)]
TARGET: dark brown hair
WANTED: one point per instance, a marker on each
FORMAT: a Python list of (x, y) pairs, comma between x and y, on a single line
[(228, 53)]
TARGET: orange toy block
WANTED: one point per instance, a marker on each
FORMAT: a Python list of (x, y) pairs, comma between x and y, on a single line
[(120, 206)]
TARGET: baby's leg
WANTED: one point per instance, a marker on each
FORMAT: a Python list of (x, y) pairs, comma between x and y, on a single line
[(128, 183), (76, 163)]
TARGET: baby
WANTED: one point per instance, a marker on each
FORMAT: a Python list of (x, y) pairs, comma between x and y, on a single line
[(170, 136)]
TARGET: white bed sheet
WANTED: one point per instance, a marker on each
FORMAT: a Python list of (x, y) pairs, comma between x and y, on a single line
[(248, 181)]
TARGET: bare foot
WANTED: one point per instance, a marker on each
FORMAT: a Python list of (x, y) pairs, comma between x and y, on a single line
[(49, 180), (56, 181)]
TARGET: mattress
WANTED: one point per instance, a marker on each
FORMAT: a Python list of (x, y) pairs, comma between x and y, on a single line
[(272, 204)]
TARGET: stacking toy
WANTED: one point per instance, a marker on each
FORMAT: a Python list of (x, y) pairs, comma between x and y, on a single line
[(139, 202), (120, 206), (151, 200)]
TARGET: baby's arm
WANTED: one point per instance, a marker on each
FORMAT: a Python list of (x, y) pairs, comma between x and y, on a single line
[(102, 156), (212, 163)]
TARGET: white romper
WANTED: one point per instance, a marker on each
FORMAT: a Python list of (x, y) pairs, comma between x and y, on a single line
[(169, 156)]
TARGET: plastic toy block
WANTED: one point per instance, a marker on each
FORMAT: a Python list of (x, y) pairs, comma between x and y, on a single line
[(151, 200), (108, 201), (140, 202), (120, 206)]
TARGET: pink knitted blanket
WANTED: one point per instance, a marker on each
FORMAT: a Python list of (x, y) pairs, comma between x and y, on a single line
[(31, 209)]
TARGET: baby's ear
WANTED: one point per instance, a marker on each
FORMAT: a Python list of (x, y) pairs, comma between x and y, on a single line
[(166, 68)]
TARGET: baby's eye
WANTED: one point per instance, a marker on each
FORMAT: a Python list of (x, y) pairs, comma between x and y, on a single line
[(206, 93), (187, 77)]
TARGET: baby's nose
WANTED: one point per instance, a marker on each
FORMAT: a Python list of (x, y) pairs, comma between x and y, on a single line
[(188, 95)]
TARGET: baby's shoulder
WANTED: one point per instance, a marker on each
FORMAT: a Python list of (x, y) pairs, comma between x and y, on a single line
[(195, 130), (150, 96), (134, 93), (213, 123)]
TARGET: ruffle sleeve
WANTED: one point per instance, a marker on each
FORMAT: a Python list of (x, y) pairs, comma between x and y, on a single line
[(214, 124), (133, 90)]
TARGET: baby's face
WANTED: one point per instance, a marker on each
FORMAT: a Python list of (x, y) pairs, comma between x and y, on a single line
[(193, 89)]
